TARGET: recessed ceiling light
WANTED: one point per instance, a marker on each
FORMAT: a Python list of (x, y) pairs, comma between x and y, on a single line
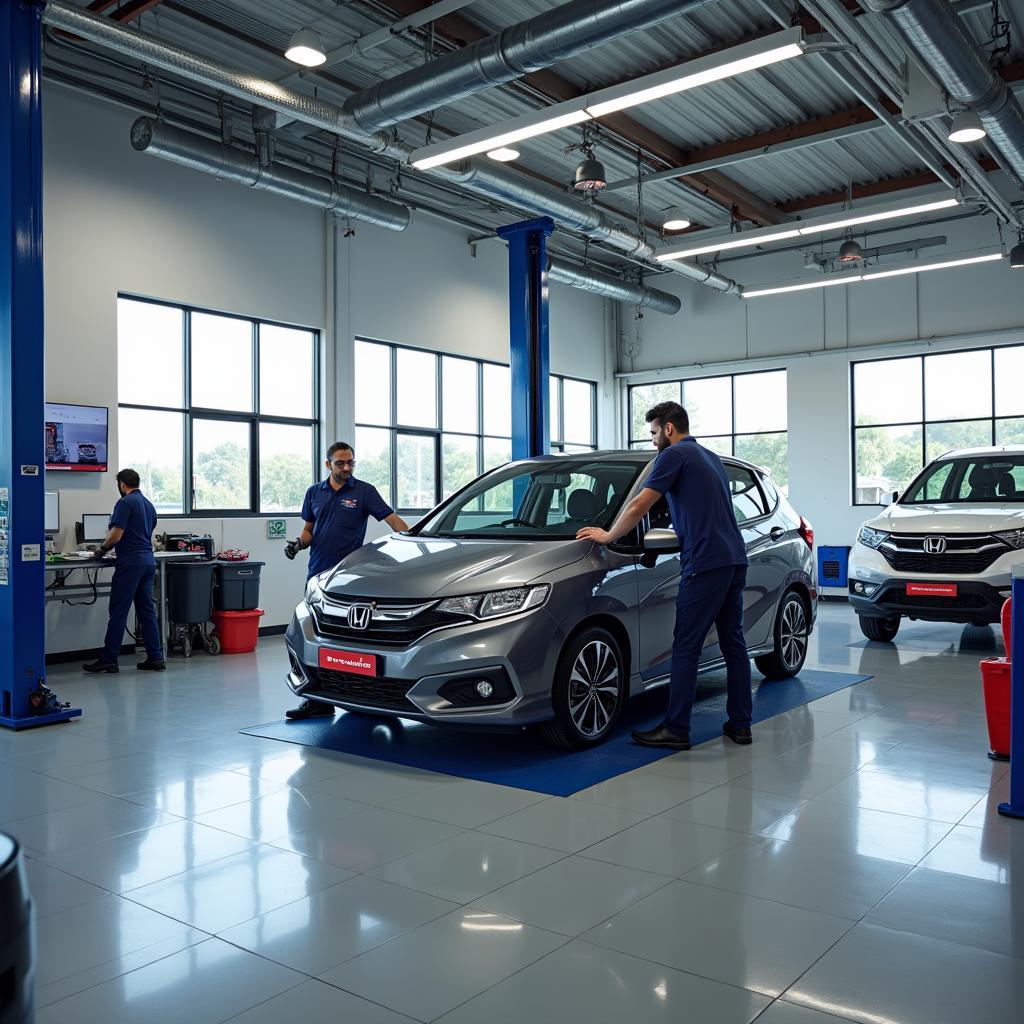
[(966, 127), (305, 48), (503, 154), (675, 220)]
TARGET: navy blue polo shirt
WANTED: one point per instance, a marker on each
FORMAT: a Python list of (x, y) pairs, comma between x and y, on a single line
[(136, 515), (339, 519), (695, 483)]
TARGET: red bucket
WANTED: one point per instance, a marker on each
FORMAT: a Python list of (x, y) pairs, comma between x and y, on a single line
[(238, 631), (995, 679)]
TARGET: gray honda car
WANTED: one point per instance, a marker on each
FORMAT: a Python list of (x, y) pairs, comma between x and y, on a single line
[(489, 612)]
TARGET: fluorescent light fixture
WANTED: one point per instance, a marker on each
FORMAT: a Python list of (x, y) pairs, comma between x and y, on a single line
[(914, 268), (735, 61), (713, 68), (966, 127), (305, 48), (503, 154), (777, 233)]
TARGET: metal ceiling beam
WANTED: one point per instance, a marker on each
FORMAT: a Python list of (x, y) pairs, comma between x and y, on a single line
[(133, 9)]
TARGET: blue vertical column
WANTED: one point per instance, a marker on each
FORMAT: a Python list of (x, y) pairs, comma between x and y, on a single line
[(22, 548), (528, 334), (1014, 808)]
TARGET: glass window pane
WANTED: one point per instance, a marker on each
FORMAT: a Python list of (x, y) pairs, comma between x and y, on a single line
[(1009, 374), (887, 459), (497, 400), (149, 335), (1010, 431), (944, 437), (747, 500), (373, 383), (220, 464), (555, 411), (286, 372), (458, 462), (761, 402), (958, 386), (221, 362), (575, 449), (887, 391), (497, 451), (579, 411), (416, 471), (373, 459), (722, 445), (460, 400), (769, 451), (644, 397), (152, 444), (417, 389), (708, 402), (286, 466)]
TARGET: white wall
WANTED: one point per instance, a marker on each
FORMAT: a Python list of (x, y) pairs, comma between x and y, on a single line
[(119, 221), (815, 335)]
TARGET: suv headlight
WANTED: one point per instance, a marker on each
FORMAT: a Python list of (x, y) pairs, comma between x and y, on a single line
[(314, 594), (497, 602), (1015, 538), (871, 538)]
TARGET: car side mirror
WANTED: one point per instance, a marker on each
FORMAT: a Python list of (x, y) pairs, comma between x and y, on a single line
[(890, 499), (661, 541)]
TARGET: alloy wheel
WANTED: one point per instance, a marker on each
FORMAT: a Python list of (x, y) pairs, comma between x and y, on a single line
[(594, 688), (793, 634)]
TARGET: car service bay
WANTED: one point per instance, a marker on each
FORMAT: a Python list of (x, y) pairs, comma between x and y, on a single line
[(512, 511)]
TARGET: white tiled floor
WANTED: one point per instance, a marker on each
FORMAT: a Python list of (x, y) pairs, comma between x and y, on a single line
[(849, 865)]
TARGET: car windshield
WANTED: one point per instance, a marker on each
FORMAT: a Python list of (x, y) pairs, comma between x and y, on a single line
[(536, 501), (996, 479)]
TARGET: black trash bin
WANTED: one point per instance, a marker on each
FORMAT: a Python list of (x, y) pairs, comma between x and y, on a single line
[(238, 586), (190, 605), (17, 942)]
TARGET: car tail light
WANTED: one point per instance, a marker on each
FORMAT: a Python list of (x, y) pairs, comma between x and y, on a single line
[(807, 532)]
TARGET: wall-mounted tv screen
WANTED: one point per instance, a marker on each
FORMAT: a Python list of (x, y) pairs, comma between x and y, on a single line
[(76, 437)]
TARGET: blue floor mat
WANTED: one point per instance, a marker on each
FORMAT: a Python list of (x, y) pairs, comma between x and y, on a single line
[(524, 760)]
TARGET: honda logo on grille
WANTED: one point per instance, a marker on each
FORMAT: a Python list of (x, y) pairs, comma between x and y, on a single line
[(935, 545), (359, 615)]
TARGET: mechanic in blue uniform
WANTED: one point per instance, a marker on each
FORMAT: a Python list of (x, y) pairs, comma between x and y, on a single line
[(712, 572), (336, 511), (130, 536)]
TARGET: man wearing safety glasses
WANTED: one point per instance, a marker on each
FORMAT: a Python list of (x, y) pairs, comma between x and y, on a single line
[(335, 513)]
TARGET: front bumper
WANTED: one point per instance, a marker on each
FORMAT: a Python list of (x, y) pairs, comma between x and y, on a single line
[(421, 681)]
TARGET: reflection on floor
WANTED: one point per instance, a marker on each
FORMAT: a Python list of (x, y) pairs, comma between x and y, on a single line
[(851, 864)]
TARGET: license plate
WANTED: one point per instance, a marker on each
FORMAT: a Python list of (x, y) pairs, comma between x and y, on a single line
[(932, 589), (348, 661)]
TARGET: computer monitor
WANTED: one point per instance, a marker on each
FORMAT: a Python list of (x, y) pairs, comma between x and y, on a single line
[(51, 519), (94, 528)]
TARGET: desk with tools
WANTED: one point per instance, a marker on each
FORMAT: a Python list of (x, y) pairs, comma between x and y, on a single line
[(61, 568)]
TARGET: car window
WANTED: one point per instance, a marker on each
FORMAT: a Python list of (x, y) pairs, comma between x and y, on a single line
[(988, 478), (770, 491), (747, 500), (660, 516)]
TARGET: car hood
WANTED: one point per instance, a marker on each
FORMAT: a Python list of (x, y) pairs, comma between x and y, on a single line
[(949, 518), (425, 567)]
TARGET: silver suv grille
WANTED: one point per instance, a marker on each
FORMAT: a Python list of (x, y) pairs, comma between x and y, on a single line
[(964, 554)]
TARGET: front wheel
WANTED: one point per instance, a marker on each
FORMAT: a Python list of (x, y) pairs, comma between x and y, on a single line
[(589, 691), (791, 634), (882, 631)]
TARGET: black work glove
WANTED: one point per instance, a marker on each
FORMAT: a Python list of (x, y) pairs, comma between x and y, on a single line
[(292, 548)]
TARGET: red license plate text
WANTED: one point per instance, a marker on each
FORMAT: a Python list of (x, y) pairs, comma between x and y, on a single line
[(348, 661), (932, 589)]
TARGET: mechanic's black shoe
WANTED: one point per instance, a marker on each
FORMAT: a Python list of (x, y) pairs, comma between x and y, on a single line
[(743, 737), (661, 736), (151, 665), (100, 666), (310, 709)]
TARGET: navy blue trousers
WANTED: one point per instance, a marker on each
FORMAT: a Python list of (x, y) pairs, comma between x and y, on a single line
[(132, 584), (706, 599)]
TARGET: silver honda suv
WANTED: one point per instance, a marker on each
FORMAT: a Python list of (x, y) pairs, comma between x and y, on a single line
[(489, 612)]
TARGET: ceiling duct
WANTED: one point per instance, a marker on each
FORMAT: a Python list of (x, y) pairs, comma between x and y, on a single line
[(612, 287), (941, 42), (517, 50), (228, 163), (485, 177)]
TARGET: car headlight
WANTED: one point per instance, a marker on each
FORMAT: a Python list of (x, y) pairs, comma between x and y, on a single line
[(1015, 538), (314, 594), (871, 538), (497, 602)]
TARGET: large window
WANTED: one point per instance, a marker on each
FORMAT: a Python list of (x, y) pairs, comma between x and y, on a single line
[(427, 424), (740, 414), (218, 414), (908, 410)]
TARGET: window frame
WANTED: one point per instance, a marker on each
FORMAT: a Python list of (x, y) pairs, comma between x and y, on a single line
[(253, 418), (394, 426), (923, 423)]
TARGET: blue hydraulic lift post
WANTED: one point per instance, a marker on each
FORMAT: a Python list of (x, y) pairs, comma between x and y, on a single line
[(1014, 807), (528, 334), (22, 549)]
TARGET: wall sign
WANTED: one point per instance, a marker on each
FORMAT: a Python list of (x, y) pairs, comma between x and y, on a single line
[(30, 471), (276, 529), (30, 552)]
